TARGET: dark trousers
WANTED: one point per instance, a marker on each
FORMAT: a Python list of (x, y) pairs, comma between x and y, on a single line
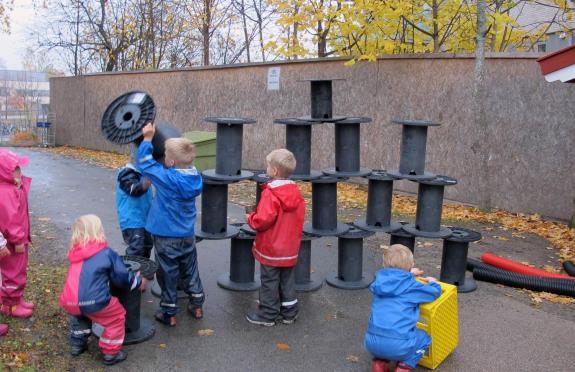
[(177, 263), (139, 242), (277, 293)]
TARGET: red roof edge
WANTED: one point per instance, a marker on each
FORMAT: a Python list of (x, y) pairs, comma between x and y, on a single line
[(557, 60)]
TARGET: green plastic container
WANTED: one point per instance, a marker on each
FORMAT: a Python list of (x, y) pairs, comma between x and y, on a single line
[(205, 143)]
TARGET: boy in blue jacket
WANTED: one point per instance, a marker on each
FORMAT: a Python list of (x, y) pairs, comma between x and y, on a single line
[(133, 200), (171, 222), (391, 332)]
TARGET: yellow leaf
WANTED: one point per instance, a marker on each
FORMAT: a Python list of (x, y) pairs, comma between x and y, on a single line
[(205, 332), (352, 358), (282, 346), (163, 346)]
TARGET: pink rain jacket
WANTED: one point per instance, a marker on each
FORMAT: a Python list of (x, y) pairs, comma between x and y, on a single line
[(14, 222)]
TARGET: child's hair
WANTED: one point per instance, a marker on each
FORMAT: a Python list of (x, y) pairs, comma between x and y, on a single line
[(87, 228), (182, 150), (398, 256), (283, 160)]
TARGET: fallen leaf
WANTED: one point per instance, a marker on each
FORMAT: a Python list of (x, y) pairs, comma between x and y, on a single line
[(205, 332), (282, 346), (427, 244), (352, 358), (45, 219), (163, 346)]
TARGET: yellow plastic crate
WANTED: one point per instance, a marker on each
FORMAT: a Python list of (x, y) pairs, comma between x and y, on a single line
[(440, 320)]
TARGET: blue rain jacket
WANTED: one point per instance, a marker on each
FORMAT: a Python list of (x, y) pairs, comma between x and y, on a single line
[(132, 201), (396, 299), (173, 210)]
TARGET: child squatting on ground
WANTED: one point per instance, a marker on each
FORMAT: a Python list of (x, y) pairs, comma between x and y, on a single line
[(391, 332), (171, 222), (86, 294), (15, 230), (133, 200), (278, 222)]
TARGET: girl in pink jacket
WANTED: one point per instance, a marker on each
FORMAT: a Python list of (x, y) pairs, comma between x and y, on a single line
[(15, 228)]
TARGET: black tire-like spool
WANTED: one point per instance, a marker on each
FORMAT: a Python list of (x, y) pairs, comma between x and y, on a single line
[(379, 198), (125, 117), (402, 237), (138, 328), (305, 279), (324, 208), (454, 259), (241, 277)]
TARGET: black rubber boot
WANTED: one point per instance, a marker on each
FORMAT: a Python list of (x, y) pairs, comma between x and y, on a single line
[(116, 358), (255, 318), (76, 350)]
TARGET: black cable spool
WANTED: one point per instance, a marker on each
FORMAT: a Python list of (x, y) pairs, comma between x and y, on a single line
[(125, 117)]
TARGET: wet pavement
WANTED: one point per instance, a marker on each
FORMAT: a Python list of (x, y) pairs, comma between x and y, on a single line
[(499, 329)]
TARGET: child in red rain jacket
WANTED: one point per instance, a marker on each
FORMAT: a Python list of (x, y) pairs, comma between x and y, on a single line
[(86, 294), (278, 222), (15, 227)]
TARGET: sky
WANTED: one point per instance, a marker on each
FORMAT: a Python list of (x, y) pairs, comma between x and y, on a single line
[(13, 46)]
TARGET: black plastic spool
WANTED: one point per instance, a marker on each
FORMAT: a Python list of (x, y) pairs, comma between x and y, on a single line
[(347, 148), (402, 237), (350, 273), (241, 277), (138, 327), (229, 139), (454, 259), (379, 198), (321, 94), (298, 141), (261, 178), (125, 117), (305, 280), (413, 150), (324, 208), (429, 207), (214, 220)]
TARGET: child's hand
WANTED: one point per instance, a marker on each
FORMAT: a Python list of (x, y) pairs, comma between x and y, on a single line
[(148, 131), (4, 251), (430, 279), (20, 248), (417, 272)]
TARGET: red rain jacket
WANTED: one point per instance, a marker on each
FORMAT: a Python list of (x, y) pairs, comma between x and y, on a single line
[(14, 222), (278, 222)]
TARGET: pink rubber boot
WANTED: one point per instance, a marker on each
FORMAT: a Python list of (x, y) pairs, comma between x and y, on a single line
[(3, 329), (26, 304), (16, 311)]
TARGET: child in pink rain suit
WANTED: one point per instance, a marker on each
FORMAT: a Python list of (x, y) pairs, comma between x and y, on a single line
[(15, 228)]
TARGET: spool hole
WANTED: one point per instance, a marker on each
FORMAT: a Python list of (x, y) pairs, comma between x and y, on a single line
[(127, 116)]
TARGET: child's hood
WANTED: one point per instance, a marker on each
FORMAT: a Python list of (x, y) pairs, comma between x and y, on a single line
[(287, 193), (80, 252), (9, 161), (392, 282)]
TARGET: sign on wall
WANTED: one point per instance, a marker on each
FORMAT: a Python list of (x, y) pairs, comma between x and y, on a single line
[(274, 78)]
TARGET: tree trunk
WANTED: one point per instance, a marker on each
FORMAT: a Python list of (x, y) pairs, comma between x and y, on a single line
[(246, 36), (479, 109), (207, 20), (435, 14)]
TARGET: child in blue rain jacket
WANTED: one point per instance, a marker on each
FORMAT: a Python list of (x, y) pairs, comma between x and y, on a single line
[(391, 332)]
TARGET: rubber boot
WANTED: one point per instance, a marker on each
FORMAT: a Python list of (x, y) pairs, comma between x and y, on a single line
[(402, 367), (26, 304), (379, 365), (16, 311)]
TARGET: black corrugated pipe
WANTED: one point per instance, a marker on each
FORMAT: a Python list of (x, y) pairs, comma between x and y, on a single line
[(569, 268), (557, 286), (473, 263)]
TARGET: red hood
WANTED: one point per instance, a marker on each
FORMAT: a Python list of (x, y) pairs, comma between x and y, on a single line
[(9, 161), (287, 192), (81, 252)]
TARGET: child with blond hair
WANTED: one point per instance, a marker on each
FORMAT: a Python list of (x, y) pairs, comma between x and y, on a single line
[(171, 222), (391, 332), (278, 222), (86, 294)]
